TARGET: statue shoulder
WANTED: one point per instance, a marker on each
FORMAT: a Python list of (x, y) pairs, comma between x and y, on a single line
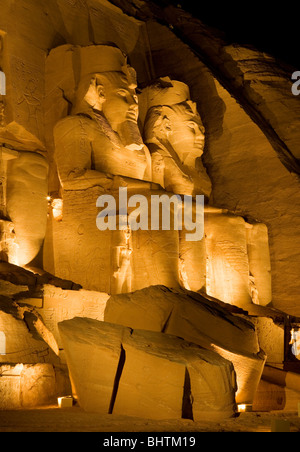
[(72, 124)]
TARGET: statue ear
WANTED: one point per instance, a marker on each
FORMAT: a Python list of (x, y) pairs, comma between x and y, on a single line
[(101, 92), (166, 124)]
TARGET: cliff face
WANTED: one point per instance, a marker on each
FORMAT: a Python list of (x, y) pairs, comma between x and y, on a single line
[(244, 97)]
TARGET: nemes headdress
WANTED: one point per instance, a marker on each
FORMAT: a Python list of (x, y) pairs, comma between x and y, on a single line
[(100, 59), (68, 64), (167, 92)]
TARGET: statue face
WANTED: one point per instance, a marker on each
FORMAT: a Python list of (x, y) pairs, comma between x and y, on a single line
[(179, 126), (121, 102), (120, 107), (184, 131)]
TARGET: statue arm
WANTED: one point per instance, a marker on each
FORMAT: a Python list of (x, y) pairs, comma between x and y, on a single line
[(73, 155)]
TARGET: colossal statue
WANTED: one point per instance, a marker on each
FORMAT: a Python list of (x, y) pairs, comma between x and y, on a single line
[(174, 133), (101, 134), (99, 147)]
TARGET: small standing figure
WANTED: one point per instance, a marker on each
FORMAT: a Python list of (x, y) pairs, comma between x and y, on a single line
[(121, 280)]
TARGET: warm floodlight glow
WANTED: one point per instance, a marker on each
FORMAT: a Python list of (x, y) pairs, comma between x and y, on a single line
[(57, 209), (295, 342), (65, 402), (243, 407), (2, 343)]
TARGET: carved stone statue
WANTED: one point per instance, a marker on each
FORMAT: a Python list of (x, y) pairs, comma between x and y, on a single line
[(99, 147), (27, 205), (101, 134), (23, 209), (174, 133)]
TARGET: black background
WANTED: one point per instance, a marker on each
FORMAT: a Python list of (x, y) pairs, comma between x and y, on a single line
[(272, 27)]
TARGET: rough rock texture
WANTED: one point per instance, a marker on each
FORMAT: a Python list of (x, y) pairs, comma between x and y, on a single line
[(271, 337), (93, 351), (147, 374), (41, 301), (271, 397), (261, 81), (32, 278), (24, 338), (198, 320), (61, 304), (31, 385)]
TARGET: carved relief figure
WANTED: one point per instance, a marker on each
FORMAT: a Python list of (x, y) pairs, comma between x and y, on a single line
[(33, 103), (121, 279)]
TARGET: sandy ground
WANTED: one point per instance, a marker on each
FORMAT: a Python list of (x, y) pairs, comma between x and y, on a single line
[(54, 419)]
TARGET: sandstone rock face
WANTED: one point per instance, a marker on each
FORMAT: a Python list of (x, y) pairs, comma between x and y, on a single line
[(61, 304), (93, 351), (23, 336), (227, 260), (198, 320), (70, 132), (147, 374), (30, 385)]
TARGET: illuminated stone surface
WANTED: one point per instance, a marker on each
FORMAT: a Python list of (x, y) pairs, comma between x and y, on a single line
[(27, 340), (61, 96), (92, 143), (147, 374), (27, 190), (174, 133), (30, 385), (93, 350), (198, 320)]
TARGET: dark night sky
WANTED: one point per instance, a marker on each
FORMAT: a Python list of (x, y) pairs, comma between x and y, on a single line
[(272, 27)]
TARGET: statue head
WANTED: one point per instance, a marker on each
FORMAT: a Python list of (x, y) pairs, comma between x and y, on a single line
[(173, 118), (107, 86)]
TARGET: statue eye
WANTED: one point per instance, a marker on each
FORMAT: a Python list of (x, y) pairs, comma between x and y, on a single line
[(167, 123), (122, 92), (193, 126)]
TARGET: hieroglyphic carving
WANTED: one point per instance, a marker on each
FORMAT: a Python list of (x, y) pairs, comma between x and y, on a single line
[(27, 93)]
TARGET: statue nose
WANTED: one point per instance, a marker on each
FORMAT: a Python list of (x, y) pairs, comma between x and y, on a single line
[(133, 111), (199, 139)]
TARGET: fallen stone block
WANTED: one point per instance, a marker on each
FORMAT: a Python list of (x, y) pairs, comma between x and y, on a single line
[(147, 374), (165, 377), (199, 320), (29, 385), (93, 352)]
